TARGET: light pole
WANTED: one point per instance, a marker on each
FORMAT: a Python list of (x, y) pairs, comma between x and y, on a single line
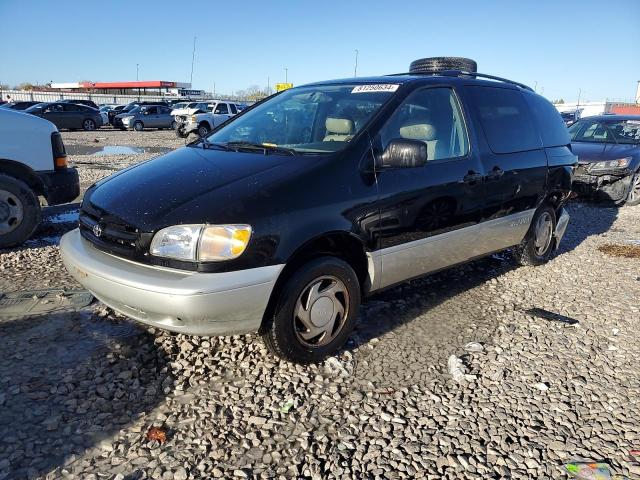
[(286, 75), (193, 57), (578, 102), (355, 67), (137, 70)]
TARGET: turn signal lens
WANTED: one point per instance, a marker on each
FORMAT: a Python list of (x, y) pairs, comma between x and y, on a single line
[(223, 242), (60, 162)]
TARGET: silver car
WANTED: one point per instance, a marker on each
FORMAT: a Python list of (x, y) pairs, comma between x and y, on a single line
[(147, 116)]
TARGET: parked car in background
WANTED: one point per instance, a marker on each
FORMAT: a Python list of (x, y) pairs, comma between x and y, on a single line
[(127, 108), (608, 149), (33, 163), (241, 106), (188, 108), (146, 116), (68, 115), (282, 220), (202, 122), (19, 105), (104, 113), (87, 103), (569, 118)]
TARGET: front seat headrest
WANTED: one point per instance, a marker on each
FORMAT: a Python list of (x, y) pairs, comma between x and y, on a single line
[(341, 126), (419, 131)]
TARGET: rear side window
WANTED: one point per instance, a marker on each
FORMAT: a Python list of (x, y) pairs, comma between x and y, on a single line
[(553, 131), (506, 119), (233, 108)]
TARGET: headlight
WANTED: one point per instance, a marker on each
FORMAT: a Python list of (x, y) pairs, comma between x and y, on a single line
[(194, 119), (611, 164), (127, 119), (203, 243)]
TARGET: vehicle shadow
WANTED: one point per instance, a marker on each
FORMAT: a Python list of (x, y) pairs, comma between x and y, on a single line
[(69, 381), (428, 319)]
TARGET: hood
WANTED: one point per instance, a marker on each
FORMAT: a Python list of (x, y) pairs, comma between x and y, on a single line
[(183, 111), (597, 152), (188, 185)]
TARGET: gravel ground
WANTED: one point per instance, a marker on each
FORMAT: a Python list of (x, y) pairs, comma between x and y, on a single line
[(551, 375)]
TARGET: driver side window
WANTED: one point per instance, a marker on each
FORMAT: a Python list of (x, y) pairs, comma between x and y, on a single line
[(432, 116)]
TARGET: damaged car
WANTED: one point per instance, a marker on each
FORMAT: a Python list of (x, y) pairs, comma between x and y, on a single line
[(608, 149), (284, 218)]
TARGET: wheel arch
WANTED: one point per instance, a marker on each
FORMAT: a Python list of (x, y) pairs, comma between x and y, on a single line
[(339, 244), (24, 173)]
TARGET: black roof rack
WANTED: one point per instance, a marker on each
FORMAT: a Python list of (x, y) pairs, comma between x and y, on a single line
[(460, 73)]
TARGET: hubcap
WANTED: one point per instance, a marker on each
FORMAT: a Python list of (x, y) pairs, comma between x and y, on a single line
[(634, 193), (321, 311), (544, 232), (88, 125), (11, 212)]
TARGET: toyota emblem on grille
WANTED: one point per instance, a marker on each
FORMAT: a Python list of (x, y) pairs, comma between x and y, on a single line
[(97, 230)]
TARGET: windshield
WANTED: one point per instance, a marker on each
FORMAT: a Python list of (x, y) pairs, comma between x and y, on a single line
[(314, 119), (179, 105), (598, 131)]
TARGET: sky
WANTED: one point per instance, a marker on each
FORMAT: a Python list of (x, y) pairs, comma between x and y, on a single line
[(559, 47)]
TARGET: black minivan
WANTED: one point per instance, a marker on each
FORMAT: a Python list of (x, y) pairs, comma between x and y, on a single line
[(285, 217)]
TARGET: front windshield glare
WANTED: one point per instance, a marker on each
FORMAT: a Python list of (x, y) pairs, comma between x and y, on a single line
[(622, 131), (308, 119)]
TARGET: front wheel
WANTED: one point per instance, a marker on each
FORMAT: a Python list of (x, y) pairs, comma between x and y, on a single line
[(633, 197), (315, 312), (138, 126), (203, 130), (537, 246), (19, 211), (88, 125)]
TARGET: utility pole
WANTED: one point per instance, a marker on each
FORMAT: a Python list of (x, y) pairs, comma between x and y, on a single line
[(214, 90), (193, 57), (137, 70), (578, 103), (535, 86), (268, 85), (355, 67), (286, 75)]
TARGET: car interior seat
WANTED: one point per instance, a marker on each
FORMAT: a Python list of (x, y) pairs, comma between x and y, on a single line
[(425, 132), (338, 129)]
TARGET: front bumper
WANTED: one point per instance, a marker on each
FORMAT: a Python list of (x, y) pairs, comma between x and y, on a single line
[(185, 302), (609, 186), (60, 186)]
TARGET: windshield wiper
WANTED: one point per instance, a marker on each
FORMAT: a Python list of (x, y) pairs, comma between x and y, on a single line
[(259, 146), (206, 144)]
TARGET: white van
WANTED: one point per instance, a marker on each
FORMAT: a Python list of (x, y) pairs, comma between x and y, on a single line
[(33, 163)]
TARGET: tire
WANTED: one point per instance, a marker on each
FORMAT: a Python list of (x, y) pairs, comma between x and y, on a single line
[(19, 211), (536, 248), (174, 125), (437, 64), (88, 125), (138, 126), (633, 197), (203, 130), (326, 284), (180, 133)]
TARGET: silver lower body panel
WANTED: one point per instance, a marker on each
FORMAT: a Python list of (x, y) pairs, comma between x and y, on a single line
[(185, 302), (401, 262)]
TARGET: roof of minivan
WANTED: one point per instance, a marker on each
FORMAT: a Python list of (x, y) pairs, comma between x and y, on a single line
[(423, 78)]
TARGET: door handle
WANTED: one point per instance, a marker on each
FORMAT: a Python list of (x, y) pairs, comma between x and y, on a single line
[(497, 172), (472, 177)]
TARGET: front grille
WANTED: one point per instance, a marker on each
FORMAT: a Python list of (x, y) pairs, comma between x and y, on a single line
[(117, 122), (110, 235), (581, 170)]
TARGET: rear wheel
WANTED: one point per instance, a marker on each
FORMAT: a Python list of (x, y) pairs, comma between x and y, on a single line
[(315, 312), (633, 197), (138, 126), (88, 125), (19, 211), (537, 246)]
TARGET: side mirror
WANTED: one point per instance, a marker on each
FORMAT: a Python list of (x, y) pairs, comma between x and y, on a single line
[(403, 153)]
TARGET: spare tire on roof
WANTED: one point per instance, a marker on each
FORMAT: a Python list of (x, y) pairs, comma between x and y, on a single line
[(437, 64)]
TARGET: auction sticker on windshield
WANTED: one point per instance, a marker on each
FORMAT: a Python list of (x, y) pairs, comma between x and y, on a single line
[(379, 87)]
